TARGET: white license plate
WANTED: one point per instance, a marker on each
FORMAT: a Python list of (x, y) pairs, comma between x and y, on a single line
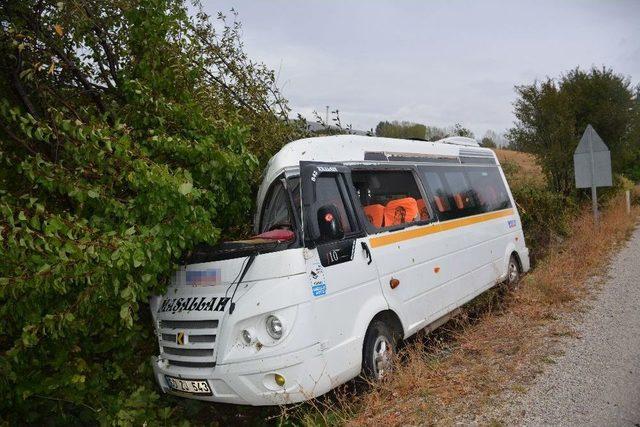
[(189, 386)]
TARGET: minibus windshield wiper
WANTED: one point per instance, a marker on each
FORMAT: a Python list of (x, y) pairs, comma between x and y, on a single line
[(206, 253), (244, 270)]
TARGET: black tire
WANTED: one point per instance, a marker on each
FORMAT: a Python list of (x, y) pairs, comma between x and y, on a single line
[(376, 363), (513, 272)]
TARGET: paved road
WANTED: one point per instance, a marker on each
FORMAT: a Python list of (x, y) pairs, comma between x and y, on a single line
[(597, 380)]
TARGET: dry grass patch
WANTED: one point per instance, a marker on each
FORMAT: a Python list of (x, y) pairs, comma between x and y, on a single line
[(528, 170), (502, 342)]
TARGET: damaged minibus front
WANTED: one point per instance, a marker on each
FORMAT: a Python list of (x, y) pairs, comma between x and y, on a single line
[(234, 325)]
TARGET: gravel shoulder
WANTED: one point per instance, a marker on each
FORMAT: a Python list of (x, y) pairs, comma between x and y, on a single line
[(596, 379)]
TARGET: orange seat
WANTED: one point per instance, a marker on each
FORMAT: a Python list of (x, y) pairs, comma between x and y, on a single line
[(439, 203), (375, 214), (400, 211), (422, 208), (459, 202)]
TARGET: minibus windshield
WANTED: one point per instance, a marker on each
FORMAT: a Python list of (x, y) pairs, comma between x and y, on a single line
[(277, 214), (276, 230)]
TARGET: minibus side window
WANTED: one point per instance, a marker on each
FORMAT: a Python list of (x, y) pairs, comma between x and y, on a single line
[(389, 198), (450, 191), (459, 191), (438, 192), (461, 194), (489, 188)]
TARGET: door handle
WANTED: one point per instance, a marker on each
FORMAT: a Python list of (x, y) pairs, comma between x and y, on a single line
[(367, 251)]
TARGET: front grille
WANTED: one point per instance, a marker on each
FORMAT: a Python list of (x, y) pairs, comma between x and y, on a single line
[(169, 337), (192, 338), (202, 338), (194, 352), (192, 364), (196, 348), (188, 324)]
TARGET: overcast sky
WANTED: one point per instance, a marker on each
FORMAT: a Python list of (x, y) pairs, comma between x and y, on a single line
[(432, 62)]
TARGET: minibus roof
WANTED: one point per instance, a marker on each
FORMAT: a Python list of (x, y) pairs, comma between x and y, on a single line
[(364, 149)]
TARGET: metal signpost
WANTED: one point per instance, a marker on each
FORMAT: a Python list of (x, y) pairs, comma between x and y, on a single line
[(592, 164)]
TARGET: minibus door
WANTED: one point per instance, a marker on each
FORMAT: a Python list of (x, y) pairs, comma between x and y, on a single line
[(342, 273)]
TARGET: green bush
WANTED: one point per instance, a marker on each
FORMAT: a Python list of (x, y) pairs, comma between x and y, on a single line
[(128, 132), (544, 216), (552, 115), (510, 169)]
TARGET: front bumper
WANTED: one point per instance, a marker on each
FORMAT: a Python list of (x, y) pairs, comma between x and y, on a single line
[(252, 382)]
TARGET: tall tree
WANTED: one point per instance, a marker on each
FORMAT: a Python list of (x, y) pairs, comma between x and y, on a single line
[(403, 129), (492, 139), (552, 115), (632, 155), (488, 142), (459, 130), (435, 133)]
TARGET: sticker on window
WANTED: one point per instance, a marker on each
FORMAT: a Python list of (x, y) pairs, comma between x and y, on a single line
[(317, 279)]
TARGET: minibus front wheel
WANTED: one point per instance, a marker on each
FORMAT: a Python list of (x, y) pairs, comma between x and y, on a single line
[(379, 350)]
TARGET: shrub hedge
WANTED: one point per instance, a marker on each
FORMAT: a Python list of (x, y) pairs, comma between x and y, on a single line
[(128, 133)]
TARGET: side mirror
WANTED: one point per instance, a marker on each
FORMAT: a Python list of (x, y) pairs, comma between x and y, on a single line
[(329, 223)]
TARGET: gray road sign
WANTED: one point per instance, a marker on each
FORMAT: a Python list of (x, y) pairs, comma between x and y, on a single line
[(592, 163), (592, 158)]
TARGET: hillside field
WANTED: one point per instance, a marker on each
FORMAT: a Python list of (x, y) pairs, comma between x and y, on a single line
[(520, 167)]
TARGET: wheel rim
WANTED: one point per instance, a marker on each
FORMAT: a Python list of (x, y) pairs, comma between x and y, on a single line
[(382, 357), (513, 272)]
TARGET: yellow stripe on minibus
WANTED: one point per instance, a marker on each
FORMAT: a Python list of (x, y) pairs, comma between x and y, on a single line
[(400, 236)]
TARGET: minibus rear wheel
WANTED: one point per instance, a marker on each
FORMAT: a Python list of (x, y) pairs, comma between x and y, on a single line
[(379, 350), (513, 272)]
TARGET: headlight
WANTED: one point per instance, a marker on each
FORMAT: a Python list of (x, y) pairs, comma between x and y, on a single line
[(247, 336), (274, 327)]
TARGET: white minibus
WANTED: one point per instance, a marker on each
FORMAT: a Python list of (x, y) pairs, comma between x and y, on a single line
[(359, 243)]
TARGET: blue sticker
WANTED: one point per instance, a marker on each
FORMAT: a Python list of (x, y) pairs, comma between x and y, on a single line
[(512, 223), (318, 280), (319, 290)]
